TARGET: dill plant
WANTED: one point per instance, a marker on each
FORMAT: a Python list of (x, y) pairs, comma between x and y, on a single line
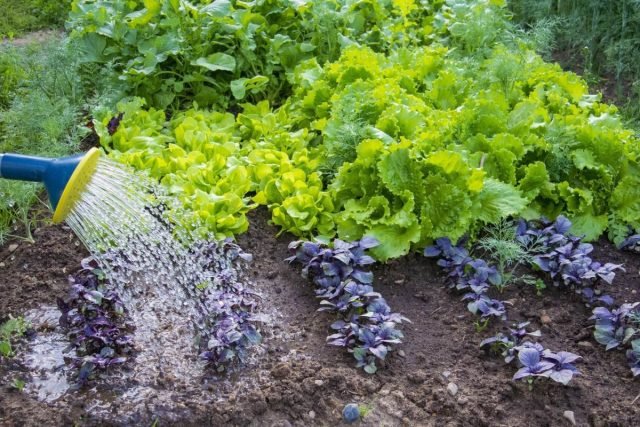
[(500, 244), (45, 96)]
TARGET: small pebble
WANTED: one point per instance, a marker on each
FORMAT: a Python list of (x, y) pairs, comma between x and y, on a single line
[(417, 377), (351, 413), (446, 374), (401, 353), (570, 416), (585, 344), (13, 247), (462, 400), (545, 319), (399, 282), (312, 415), (319, 383), (398, 394), (452, 388), (272, 274), (2, 264)]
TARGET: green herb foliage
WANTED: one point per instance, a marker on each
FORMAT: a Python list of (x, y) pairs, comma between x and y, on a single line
[(500, 244), (13, 328), (45, 93), (218, 53)]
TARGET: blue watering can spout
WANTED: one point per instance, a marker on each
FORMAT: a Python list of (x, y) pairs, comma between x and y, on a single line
[(64, 178)]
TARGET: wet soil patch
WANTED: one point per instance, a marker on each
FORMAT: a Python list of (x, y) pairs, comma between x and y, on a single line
[(295, 379)]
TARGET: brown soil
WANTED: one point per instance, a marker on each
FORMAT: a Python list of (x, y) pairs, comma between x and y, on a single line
[(301, 381)]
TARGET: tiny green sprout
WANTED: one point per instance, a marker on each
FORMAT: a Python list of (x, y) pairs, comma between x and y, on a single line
[(5, 348), (537, 283), (18, 384), (364, 410), (202, 286), (481, 325), (530, 381)]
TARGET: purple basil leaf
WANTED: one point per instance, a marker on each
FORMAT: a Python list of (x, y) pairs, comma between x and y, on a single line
[(562, 224), (368, 242), (362, 276), (562, 376), (432, 251)]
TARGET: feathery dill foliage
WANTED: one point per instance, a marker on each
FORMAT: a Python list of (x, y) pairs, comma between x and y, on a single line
[(43, 111), (501, 245), (343, 134), (600, 38)]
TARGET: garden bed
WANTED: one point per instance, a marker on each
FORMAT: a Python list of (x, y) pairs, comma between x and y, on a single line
[(298, 380)]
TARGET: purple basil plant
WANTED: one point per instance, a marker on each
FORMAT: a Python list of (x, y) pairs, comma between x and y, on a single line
[(465, 273), (228, 326), (96, 323), (533, 358), (567, 259), (620, 328), (368, 328), (631, 243), (556, 366)]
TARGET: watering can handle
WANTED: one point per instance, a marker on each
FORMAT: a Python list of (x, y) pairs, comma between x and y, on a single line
[(23, 168)]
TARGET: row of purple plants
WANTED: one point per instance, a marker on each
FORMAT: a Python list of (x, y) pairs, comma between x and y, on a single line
[(229, 307), (567, 261), (96, 323), (471, 276), (366, 326), (475, 278)]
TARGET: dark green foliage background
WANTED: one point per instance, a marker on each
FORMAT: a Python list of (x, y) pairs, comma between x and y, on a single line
[(18, 17), (598, 38)]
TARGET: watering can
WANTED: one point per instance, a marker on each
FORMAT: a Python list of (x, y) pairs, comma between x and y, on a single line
[(64, 178)]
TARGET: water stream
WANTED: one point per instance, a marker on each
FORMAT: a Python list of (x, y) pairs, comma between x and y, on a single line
[(120, 220)]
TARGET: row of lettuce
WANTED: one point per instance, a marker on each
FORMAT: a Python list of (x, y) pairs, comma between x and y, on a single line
[(402, 120), (405, 148)]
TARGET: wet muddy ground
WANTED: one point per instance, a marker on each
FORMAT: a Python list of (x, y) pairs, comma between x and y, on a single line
[(295, 379)]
